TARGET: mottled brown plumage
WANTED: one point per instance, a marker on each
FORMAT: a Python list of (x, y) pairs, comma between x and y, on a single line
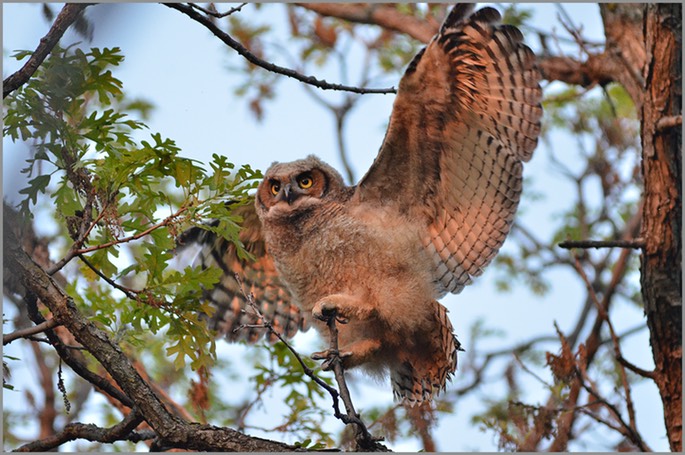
[(432, 211)]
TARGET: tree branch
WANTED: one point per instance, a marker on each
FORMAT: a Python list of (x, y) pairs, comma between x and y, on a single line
[(634, 244), (597, 69), (70, 12), (172, 430), (123, 431), (365, 440), (375, 14), (23, 333), (226, 38)]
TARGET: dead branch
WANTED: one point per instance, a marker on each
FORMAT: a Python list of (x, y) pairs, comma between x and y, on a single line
[(634, 244)]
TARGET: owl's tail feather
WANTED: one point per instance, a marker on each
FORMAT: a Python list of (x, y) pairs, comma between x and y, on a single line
[(425, 371)]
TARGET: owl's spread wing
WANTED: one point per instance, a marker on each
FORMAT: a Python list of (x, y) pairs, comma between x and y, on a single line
[(466, 115), (232, 317)]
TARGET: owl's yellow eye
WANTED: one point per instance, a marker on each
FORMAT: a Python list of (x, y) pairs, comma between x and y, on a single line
[(275, 188), (305, 181)]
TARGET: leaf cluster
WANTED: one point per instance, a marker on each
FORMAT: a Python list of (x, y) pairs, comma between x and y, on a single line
[(120, 199)]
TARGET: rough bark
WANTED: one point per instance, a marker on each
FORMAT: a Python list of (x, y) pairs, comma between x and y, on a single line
[(646, 43), (661, 262)]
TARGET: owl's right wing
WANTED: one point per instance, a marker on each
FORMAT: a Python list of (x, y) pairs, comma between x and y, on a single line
[(467, 114), (232, 318)]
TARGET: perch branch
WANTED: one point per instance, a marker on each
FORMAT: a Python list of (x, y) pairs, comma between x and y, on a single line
[(365, 440)]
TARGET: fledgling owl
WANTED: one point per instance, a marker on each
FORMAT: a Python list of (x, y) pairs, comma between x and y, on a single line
[(431, 212)]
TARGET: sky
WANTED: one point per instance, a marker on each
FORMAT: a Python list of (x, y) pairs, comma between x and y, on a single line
[(184, 71)]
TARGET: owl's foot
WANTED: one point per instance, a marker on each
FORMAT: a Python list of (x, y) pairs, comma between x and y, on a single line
[(325, 310), (329, 356)]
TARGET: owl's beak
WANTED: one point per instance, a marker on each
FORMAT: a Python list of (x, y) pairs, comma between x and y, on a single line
[(287, 194)]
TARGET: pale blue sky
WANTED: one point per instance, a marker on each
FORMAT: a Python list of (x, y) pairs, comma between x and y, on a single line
[(178, 66)]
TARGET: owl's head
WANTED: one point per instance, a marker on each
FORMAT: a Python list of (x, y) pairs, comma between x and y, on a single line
[(298, 185)]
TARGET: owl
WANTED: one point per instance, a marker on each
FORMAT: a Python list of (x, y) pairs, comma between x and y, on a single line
[(431, 212)]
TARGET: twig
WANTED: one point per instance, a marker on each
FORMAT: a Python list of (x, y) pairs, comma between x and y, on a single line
[(603, 313), (627, 430), (364, 439), (76, 245), (266, 324), (27, 332), (70, 12), (216, 13), (242, 50), (131, 238), (634, 244), (130, 293)]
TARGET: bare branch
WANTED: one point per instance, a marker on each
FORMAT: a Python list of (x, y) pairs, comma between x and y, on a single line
[(634, 244), (123, 431), (216, 14), (70, 12), (364, 439), (24, 333), (631, 429), (226, 38)]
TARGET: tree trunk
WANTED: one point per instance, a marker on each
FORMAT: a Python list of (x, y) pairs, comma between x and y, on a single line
[(645, 42), (662, 217)]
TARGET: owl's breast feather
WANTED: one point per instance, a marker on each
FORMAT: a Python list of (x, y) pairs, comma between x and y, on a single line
[(350, 251)]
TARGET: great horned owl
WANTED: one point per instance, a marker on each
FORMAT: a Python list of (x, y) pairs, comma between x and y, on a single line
[(431, 212)]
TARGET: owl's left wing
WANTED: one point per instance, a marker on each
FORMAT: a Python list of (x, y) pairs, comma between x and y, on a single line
[(467, 114), (232, 318)]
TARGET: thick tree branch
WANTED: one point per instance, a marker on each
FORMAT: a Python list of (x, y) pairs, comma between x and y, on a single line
[(70, 12), (376, 14), (249, 56), (171, 430), (597, 69)]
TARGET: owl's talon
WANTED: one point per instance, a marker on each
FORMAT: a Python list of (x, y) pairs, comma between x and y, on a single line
[(328, 356)]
